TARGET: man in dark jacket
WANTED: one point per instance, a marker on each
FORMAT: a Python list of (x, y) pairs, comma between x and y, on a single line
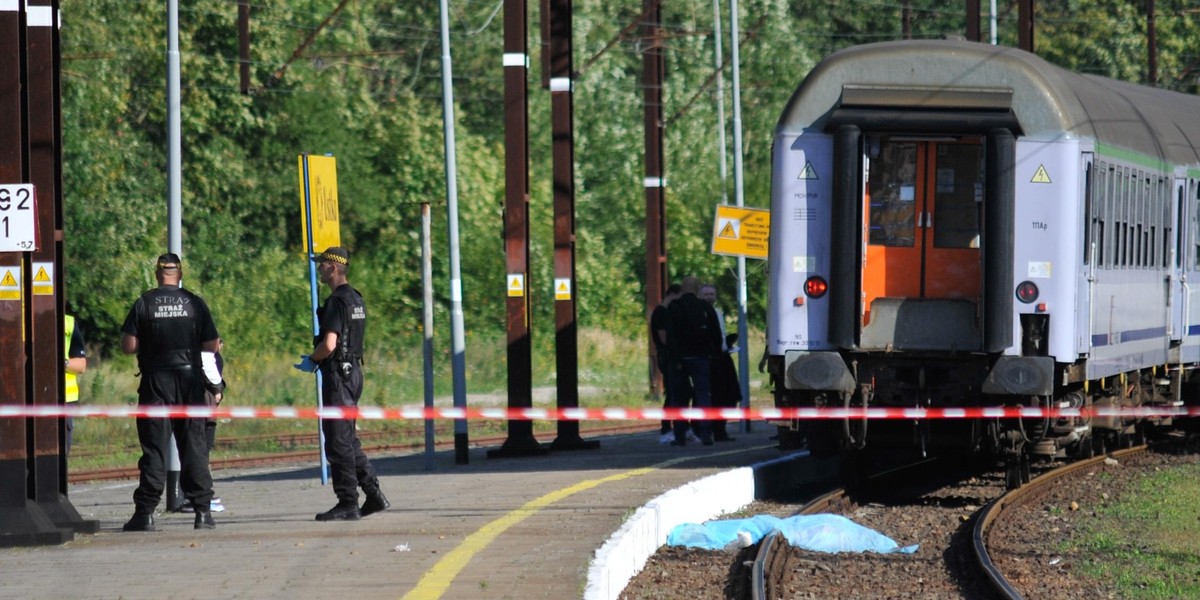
[(658, 334), (173, 334), (338, 353), (693, 339)]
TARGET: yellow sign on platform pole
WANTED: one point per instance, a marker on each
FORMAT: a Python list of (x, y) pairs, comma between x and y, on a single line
[(321, 229), (741, 231), (319, 202)]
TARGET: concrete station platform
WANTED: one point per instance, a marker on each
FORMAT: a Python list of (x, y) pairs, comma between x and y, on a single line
[(570, 524)]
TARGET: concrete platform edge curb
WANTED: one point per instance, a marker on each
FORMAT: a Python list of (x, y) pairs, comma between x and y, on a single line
[(626, 551)]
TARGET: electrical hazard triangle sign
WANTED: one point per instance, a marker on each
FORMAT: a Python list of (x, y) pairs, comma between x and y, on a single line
[(808, 172), (728, 229), (43, 279), (562, 289), (741, 231), (10, 286), (516, 285), (1041, 176)]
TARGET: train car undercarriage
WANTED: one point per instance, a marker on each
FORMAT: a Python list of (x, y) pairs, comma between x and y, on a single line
[(1014, 442)]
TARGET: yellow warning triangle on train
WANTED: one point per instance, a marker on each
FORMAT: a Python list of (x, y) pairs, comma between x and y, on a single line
[(8, 280), (41, 276), (1041, 176)]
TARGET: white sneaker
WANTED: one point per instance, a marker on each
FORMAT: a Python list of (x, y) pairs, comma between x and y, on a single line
[(216, 505), (691, 436), (666, 438)]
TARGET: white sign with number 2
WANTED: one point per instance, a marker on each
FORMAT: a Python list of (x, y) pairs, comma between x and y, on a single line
[(18, 219)]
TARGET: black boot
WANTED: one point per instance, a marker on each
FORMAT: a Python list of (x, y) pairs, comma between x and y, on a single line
[(140, 522), (176, 502), (204, 520), (375, 502), (344, 511)]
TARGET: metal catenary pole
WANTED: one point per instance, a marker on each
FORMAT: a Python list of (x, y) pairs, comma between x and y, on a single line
[(653, 65), (520, 441), (557, 27)]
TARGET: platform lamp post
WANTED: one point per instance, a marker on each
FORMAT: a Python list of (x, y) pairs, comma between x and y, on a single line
[(458, 348), (174, 204), (740, 198)]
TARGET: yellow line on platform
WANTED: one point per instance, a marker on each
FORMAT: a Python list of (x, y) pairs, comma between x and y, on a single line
[(437, 580)]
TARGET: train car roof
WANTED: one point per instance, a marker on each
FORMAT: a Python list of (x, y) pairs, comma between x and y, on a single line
[(1044, 101)]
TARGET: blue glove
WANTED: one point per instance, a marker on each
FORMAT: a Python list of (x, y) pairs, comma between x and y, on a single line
[(306, 364)]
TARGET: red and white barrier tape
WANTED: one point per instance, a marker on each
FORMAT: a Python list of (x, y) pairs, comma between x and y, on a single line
[(580, 414)]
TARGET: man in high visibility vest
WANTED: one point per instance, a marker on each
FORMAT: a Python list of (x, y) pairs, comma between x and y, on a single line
[(74, 365)]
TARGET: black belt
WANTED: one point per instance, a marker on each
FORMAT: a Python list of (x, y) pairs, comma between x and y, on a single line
[(156, 369)]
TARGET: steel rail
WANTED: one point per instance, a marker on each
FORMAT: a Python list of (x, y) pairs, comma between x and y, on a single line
[(773, 543), (996, 509)]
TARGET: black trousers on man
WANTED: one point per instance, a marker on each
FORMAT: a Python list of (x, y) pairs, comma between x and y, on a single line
[(177, 387), (349, 468)]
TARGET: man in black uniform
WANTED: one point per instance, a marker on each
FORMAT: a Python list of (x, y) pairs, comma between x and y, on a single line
[(658, 334), (693, 339), (173, 334), (338, 352)]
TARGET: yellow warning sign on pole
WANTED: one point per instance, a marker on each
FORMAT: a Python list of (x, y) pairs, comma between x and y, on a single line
[(43, 279), (562, 288), (741, 231), (10, 283), (516, 285)]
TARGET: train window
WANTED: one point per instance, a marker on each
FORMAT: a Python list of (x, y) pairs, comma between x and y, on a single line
[(1110, 217), (1195, 225), (1179, 223), (892, 186), (1149, 202), (1164, 212), (1127, 212), (1139, 241), (1089, 209), (959, 174), (1153, 243), (1118, 200)]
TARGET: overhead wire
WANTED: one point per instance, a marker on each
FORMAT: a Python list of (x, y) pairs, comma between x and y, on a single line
[(476, 23)]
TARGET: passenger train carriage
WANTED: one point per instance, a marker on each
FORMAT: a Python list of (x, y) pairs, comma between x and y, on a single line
[(958, 224)]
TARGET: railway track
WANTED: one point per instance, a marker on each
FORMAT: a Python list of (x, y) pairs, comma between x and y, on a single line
[(996, 511), (774, 560), (310, 455)]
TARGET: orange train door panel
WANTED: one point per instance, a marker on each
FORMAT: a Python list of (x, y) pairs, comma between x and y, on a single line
[(923, 206)]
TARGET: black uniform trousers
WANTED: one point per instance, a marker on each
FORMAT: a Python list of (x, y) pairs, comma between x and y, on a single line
[(175, 387), (726, 390), (349, 468)]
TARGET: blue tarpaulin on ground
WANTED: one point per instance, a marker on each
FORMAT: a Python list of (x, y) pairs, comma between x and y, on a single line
[(822, 533)]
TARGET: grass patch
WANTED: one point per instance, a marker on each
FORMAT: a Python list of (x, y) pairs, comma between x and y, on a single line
[(612, 373), (1144, 543)]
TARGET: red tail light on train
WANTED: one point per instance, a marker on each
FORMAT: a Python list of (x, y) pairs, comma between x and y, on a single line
[(1027, 292), (815, 286)]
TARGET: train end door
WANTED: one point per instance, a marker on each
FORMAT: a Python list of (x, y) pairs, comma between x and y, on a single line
[(922, 271)]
